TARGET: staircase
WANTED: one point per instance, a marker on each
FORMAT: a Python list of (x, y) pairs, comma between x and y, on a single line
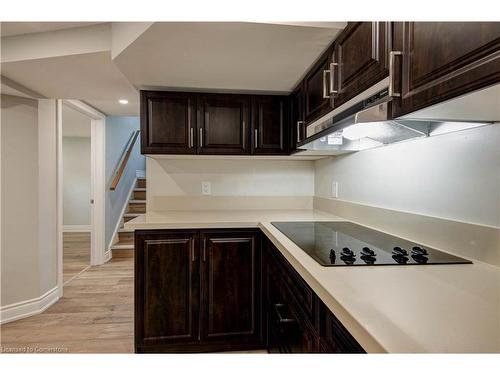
[(124, 245)]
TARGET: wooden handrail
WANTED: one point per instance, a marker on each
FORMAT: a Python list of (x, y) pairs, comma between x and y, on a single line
[(123, 161)]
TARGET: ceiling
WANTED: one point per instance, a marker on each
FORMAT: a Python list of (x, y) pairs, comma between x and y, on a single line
[(223, 55), (8, 90), (20, 28), (101, 65), (74, 123), (90, 77)]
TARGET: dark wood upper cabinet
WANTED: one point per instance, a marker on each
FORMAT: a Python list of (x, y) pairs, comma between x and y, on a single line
[(230, 279), (270, 125), (360, 59), (166, 288), (297, 122), (223, 124), (442, 60), (168, 122), (428, 62), (317, 88)]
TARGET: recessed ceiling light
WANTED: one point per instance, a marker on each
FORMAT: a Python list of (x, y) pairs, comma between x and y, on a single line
[(123, 101)]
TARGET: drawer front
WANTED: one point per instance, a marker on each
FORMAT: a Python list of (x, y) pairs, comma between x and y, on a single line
[(301, 292), (289, 331)]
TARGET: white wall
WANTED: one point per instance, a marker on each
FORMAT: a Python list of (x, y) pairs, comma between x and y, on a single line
[(230, 177), (47, 194), (29, 206), (76, 180), (19, 254), (454, 176)]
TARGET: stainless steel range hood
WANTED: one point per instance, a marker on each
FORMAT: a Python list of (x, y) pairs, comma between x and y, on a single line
[(367, 124)]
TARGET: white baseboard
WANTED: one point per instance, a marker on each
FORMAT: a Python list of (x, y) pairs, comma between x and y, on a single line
[(140, 173), (77, 228), (29, 307), (120, 218)]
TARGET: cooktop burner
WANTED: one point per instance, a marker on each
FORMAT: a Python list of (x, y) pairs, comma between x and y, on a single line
[(341, 243)]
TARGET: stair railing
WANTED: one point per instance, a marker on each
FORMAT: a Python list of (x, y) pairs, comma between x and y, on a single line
[(124, 160)]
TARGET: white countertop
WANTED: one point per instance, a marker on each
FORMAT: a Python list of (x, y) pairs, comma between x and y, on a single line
[(418, 309)]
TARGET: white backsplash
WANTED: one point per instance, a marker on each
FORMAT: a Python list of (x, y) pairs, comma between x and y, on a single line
[(235, 178), (454, 176)]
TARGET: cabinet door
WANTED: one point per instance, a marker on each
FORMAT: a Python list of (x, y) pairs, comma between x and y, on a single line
[(223, 124), (288, 331), (442, 60), (269, 119), (297, 127), (166, 288), (168, 123), (335, 338), (360, 59), (230, 280), (317, 88)]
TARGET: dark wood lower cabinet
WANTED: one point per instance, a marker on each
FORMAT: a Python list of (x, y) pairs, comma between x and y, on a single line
[(297, 321), (197, 291), (226, 289), (230, 279), (167, 289)]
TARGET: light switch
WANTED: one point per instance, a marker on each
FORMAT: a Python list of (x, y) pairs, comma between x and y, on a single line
[(206, 188)]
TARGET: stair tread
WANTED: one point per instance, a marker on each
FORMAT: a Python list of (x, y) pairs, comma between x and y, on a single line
[(136, 208), (122, 247), (123, 230)]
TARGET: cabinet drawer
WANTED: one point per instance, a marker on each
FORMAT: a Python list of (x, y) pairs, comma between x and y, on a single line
[(289, 331), (300, 291)]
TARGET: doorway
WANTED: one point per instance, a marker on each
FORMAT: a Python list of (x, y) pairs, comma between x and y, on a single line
[(80, 197), (76, 160)]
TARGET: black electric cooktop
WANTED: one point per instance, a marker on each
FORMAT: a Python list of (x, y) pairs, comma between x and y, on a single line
[(342, 243)]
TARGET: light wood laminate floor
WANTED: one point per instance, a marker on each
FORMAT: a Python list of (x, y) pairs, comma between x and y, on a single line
[(95, 315), (76, 253)]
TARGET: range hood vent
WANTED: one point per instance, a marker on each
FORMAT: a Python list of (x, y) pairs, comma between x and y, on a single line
[(367, 124)]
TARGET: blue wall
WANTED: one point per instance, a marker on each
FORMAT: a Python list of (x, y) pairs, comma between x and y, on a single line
[(118, 132)]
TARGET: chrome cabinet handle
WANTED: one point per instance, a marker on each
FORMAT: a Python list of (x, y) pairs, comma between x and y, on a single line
[(325, 91), (193, 256), (191, 137), (256, 136), (299, 124), (201, 137), (332, 75), (392, 57), (281, 318), (204, 250)]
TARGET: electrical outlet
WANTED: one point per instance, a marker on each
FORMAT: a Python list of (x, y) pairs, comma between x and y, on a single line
[(335, 189), (206, 188)]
